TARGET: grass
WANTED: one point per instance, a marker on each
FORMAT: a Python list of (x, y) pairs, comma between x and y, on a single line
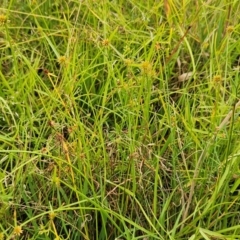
[(119, 120)]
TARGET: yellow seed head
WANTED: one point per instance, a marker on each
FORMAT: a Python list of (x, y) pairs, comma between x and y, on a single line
[(146, 67), (62, 60), (17, 230), (157, 46), (52, 215), (105, 42), (217, 79), (128, 61), (56, 181), (1, 236), (3, 19), (230, 29)]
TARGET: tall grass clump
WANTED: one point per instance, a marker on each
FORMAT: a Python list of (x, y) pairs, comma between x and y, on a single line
[(119, 119)]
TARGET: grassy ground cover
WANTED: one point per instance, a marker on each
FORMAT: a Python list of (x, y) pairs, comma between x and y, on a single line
[(119, 119)]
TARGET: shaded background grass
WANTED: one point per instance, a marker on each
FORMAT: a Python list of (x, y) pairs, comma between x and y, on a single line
[(103, 133)]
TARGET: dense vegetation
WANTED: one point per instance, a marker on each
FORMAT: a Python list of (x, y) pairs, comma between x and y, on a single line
[(119, 119)]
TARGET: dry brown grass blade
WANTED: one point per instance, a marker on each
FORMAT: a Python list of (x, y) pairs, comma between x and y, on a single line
[(167, 9), (177, 46), (185, 76)]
